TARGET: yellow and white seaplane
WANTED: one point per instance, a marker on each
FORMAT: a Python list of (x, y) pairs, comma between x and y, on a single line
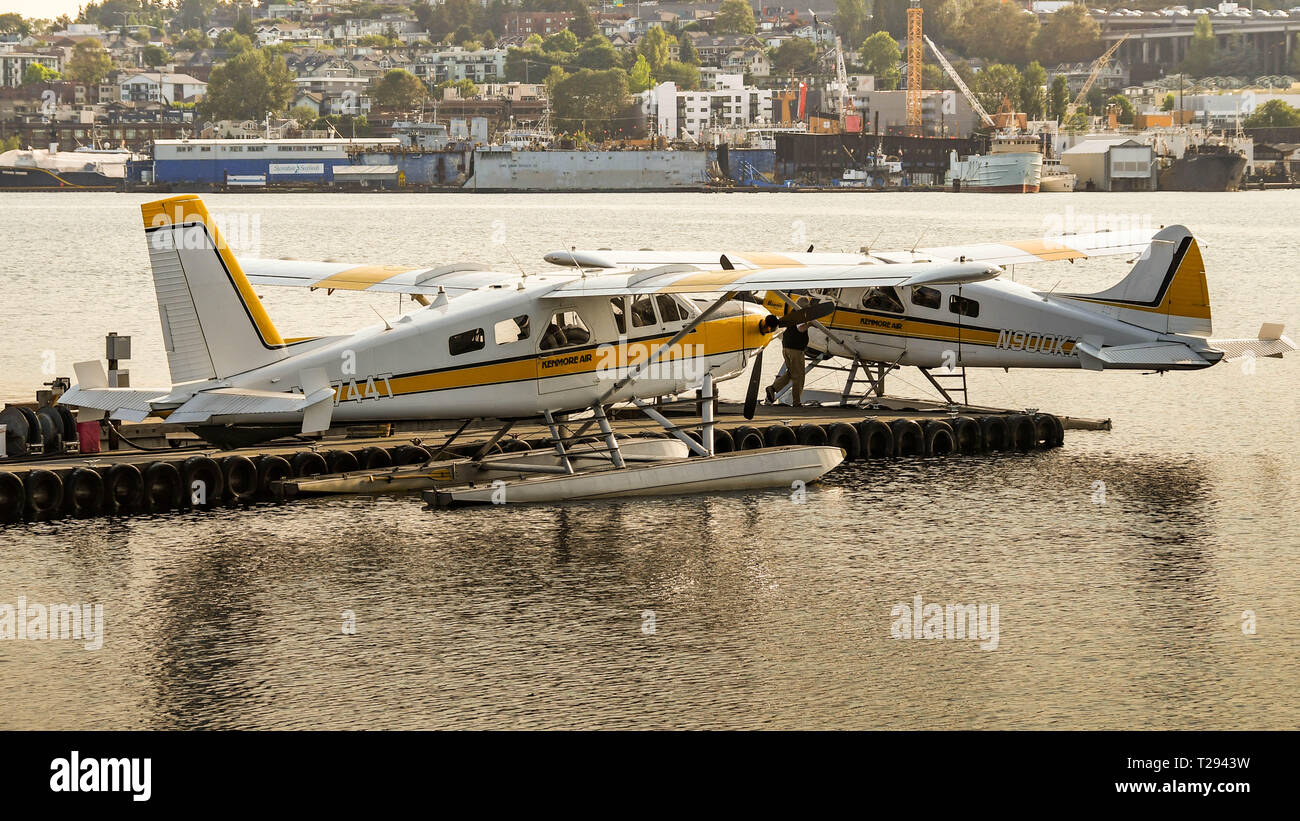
[(1156, 319), (486, 345)]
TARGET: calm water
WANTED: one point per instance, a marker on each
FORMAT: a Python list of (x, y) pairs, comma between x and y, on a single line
[(766, 613)]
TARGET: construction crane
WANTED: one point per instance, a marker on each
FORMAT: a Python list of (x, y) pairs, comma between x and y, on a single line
[(961, 84), (841, 75), (1097, 66), (914, 35)]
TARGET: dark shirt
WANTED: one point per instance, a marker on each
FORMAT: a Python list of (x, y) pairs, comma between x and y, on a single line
[(794, 338)]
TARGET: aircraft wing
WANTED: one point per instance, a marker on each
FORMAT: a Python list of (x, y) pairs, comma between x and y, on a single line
[(686, 279), (1043, 249), (454, 279), (610, 258)]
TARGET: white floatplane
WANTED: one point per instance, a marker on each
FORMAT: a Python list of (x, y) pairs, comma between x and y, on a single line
[(487, 345), (1155, 319)]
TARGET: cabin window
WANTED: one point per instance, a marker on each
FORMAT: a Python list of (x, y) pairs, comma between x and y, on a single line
[(465, 341), (963, 306), (926, 297), (620, 317), (882, 298), (511, 330), (669, 309), (643, 311), (565, 329)]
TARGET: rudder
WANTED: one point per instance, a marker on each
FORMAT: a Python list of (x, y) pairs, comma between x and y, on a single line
[(1165, 292), (213, 324)]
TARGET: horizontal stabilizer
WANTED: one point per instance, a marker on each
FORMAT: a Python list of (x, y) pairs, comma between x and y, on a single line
[(129, 404), (1271, 342), (1159, 356), (239, 401)]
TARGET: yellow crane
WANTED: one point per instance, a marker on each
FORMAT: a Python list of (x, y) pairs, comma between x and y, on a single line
[(914, 46), (1100, 63)]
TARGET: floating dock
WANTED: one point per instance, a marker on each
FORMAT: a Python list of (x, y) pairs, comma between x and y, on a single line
[(178, 472)]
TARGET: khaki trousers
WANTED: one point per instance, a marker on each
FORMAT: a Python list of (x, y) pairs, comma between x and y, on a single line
[(793, 376)]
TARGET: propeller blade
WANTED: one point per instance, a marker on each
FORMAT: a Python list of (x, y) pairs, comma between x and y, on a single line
[(812, 313), (755, 376)]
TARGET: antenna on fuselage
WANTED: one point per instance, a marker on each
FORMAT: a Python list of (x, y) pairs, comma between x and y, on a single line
[(522, 272), (387, 327)]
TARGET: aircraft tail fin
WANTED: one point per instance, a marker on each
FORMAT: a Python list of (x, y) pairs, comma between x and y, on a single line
[(1165, 292), (213, 324)]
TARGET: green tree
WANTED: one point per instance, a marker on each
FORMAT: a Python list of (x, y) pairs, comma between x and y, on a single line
[(1032, 98), (244, 24), (248, 86), (686, 76), (851, 20), (1071, 35), (305, 115), (1273, 114), (654, 46), (399, 90), (193, 40), (591, 101), (639, 79), (154, 55), (465, 89), (1058, 98), (734, 17), (1125, 107), (997, 31), (880, 55), (561, 41), (37, 73), (234, 43), (688, 53), (1096, 101), (1168, 103), (598, 53), (1202, 50), (89, 63), (583, 25), (14, 23), (996, 82), (193, 14), (794, 56), (10, 143)]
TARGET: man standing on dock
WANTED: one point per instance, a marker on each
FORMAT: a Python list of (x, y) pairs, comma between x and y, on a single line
[(794, 341)]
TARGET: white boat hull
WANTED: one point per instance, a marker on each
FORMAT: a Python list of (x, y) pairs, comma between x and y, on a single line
[(741, 470), (1013, 172)]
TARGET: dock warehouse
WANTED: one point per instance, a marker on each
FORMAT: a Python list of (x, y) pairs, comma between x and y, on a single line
[(213, 162)]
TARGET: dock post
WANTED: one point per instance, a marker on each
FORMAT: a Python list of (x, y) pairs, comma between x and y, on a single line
[(706, 411)]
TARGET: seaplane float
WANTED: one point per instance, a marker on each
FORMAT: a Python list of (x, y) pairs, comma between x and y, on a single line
[(562, 347)]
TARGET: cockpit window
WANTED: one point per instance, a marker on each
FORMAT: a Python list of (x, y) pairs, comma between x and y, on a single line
[(620, 318), (643, 311), (511, 330), (565, 329), (465, 341), (882, 298), (669, 309), (926, 297)]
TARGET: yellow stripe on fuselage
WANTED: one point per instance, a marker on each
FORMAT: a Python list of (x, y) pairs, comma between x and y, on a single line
[(719, 336), (188, 208)]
